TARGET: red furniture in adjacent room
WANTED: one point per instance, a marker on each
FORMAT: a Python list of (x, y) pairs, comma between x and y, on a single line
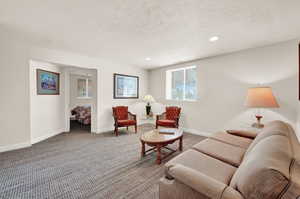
[(82, 114), (123, 118), (170, 118)]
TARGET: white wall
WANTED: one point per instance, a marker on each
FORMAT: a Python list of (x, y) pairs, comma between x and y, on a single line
[(298, 123), (14, 97), (47, 111), (15, 54), (223, 83)]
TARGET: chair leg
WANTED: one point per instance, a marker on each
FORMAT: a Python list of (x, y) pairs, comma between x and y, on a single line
[(135, 127), (116, 131), (156, 126)]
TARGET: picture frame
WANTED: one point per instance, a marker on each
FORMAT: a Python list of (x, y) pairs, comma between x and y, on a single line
[(126, 86), (47, 82)]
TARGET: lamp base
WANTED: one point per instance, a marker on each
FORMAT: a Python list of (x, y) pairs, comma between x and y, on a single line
[(148, 110), (258, 124)]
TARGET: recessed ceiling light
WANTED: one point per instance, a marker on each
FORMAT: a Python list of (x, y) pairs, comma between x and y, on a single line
[(148, 59), (214, 38)]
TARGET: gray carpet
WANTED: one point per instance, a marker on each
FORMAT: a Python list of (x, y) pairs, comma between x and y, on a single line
[(84, 165)]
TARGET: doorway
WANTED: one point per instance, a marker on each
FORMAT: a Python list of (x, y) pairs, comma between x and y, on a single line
[(81, 99)]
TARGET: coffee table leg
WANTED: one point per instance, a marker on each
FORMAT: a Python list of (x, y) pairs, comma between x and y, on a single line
[(143, 153), (158, 158), (180, 144)]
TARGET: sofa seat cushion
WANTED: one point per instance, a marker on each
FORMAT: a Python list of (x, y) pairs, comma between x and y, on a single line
[(126, 122), (166, 122), (205, 164), (234, 140), (230, 154)]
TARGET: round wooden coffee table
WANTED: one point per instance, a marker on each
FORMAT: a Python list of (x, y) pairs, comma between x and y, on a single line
[(158, 140)]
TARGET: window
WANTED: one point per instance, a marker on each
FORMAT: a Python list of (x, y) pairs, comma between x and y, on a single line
[(84, 88), (182, 84)]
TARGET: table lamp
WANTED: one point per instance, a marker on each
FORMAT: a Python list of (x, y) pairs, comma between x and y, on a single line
[(148, 99), (260, 97)]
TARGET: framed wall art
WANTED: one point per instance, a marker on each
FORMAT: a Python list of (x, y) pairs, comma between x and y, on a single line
[(47, 82), (126, 86)]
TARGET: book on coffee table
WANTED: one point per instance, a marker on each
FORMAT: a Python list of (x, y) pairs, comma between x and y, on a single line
[(167, 131)]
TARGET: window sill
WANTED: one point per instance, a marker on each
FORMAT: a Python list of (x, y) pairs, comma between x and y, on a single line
[(182, 100), (84, 97)]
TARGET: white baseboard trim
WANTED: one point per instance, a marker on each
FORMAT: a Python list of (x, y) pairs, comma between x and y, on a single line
[(107, 129), (14, 147), (103, 130), (196, 132), (46, 136)]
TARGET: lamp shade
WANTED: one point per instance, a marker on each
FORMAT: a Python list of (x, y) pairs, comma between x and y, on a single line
[(148, 98), (261, 97)]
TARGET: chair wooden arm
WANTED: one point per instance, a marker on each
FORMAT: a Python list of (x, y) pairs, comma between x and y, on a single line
[(177, 118), (115, 118), (132, 115), (161, 116)]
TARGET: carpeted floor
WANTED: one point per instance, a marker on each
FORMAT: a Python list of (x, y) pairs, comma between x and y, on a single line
[(84, 165)]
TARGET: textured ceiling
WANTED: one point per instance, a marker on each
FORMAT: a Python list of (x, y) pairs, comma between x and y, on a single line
[(167, 31)]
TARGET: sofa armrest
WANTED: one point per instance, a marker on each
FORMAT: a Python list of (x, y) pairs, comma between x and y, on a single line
[(202, 183), (198, 181), (243, 133)]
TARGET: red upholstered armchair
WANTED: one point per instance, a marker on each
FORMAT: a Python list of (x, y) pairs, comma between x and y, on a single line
[(123, 118), (170, 118)]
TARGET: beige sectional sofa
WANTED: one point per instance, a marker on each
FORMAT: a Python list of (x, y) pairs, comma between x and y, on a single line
[(237, 166)]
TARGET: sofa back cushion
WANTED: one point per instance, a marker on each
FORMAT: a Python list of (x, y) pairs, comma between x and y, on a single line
[(264, 172), (272, 128), (293, 190)]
